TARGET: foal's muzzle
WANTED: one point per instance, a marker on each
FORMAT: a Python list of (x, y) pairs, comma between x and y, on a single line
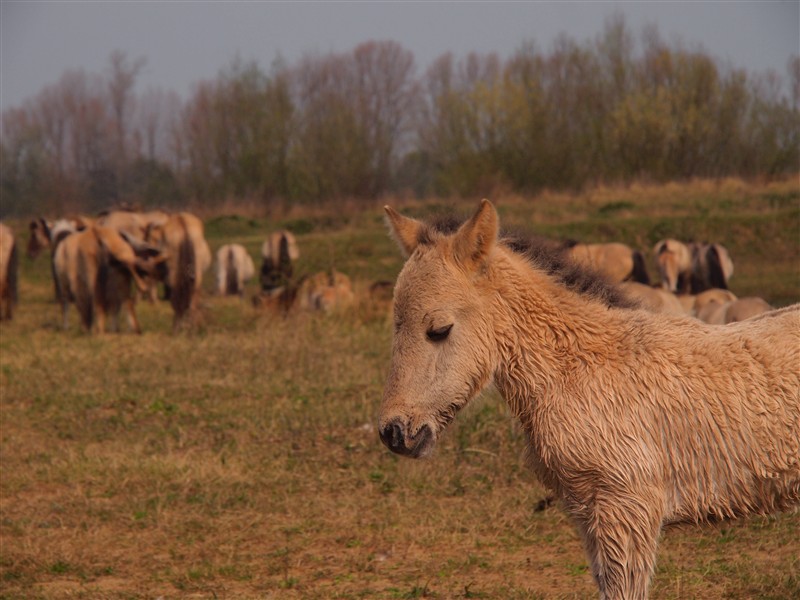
[(395, 437)]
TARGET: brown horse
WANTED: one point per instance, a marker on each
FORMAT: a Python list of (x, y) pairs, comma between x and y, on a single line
[(9, 263), (621, 423)]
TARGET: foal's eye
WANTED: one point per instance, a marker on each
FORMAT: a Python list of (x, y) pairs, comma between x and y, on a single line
[(437, 335)]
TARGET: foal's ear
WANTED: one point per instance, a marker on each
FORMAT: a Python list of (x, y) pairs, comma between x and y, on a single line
[(404, 230), (475, 238)]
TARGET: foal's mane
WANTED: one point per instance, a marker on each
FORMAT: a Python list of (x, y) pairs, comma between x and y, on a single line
[(545, 255)]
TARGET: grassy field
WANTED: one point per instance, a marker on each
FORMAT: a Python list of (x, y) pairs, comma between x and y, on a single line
[(241, 460)]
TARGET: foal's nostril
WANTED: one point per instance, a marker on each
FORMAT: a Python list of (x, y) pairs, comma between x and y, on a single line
[(393, 437)]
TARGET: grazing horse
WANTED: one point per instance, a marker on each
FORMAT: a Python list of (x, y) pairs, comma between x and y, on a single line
[(674, 262), (278, 252), (48, 234), (234, 268), (131, 222), (8, 272), (136, 225), (182, 240), (616, 261), (621, 423), (326, 291), (39, 238), (94, 269)]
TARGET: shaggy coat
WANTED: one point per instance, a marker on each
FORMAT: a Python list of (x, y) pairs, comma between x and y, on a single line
[(634, 419), (616, 261), (182, 240), (234, 268), (8, 272)]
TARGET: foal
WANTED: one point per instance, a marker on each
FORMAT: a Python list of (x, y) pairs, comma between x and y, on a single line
[(634, 419)]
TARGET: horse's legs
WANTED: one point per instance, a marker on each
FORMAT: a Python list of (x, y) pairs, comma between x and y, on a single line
[(620, 534), (100, 319), (141, 284), (133, 322)]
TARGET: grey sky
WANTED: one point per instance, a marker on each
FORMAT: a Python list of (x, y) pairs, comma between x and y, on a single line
[(186, 42)]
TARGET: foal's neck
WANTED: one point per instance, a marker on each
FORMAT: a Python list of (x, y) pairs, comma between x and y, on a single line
[(547, 335)]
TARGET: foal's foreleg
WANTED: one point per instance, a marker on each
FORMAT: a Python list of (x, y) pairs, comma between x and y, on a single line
[(620, 535)]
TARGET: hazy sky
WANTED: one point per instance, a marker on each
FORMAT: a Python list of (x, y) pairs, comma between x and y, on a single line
[(184, 42)]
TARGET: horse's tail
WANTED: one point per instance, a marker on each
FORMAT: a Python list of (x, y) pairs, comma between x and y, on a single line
[(84, 300), (231, 274), (183, 288), (59, 293), (639, 272), (716, 274), (284, 260)]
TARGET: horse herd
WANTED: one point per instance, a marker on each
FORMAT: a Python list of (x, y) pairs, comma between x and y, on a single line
[(101, 264), (693, 278), (95, 261)]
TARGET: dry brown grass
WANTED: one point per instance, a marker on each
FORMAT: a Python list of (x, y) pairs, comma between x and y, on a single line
[(240, 460)]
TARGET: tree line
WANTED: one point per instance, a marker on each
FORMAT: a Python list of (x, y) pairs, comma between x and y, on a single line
[(364, 123)]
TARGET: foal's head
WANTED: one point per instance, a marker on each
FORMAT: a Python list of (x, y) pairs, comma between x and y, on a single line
[(442, 351)]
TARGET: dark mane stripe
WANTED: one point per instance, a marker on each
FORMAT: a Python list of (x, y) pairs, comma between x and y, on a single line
[(550, 256), (546, 255)]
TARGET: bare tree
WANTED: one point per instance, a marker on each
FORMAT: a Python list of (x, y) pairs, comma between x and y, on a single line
[(121, 80)]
